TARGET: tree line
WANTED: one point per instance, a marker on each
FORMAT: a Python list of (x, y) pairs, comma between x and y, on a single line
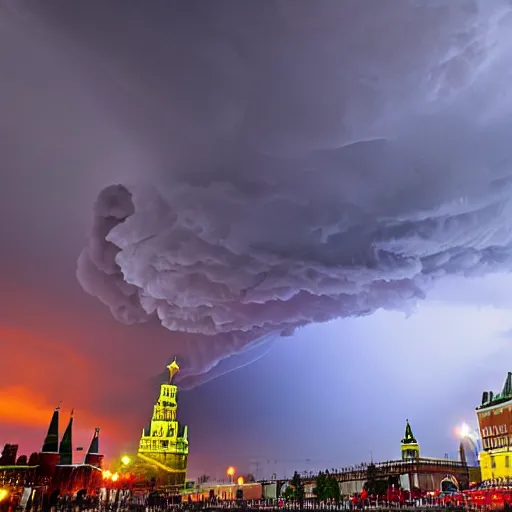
[(326, 488)]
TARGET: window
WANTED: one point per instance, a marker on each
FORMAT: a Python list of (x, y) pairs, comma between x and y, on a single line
[(507, 461), (493, 463)]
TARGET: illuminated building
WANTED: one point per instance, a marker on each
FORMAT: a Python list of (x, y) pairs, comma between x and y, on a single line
[(494, 420), (163, 448)]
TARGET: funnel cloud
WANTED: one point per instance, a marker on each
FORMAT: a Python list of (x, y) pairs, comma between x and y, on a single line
[(311, 161)]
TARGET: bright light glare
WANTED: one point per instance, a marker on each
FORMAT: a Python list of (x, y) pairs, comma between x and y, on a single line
[(125, 460), (230, 471), (3, 494), (115, 477), (463, 431)]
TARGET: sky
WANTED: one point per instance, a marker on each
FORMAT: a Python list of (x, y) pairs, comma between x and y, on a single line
[(306, 204)]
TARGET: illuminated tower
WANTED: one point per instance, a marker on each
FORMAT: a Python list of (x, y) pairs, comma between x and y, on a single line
[(409, 445), (495, 420), (164, 444)]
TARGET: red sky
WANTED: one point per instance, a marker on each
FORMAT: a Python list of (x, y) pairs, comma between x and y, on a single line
[(54, 353)]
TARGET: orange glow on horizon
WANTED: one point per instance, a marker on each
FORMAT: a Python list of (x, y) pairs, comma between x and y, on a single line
[(44, 371)]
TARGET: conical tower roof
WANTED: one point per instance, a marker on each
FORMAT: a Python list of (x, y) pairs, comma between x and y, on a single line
[(507, 386), (94, 448), (51, 441), (66, 444), (409, 436)]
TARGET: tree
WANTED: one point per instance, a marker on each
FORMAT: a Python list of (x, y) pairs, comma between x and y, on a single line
[(373, 485), (334, 489), (321, 486), (327, 487), (295, 490), (371, 479)]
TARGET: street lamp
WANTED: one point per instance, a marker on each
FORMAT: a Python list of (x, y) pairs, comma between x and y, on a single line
[(231, 473), (125, 460), (470, 436)]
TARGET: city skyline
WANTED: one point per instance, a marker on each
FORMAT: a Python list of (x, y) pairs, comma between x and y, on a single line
[(312, 216)]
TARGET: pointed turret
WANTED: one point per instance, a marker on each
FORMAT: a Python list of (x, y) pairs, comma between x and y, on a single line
[(507, 387), (410, 447), (409, 437), (93, 456), (94, 447), (51, 441), (173, 370), (66, 444)]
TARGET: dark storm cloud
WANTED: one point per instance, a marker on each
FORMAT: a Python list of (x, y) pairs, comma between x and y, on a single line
[(311, 161)]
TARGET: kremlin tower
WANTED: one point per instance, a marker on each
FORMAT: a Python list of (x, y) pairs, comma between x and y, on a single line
[(409, 445), (66, 444), (93, 457), (49, 456), (52, 469), (163, 447)]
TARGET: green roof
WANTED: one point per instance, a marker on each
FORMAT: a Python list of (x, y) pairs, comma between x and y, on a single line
[(489, 399)]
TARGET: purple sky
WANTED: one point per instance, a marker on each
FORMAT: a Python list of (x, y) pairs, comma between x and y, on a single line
[(316, 194)]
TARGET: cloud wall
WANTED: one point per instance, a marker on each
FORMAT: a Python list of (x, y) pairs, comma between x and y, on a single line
[(315, 163)]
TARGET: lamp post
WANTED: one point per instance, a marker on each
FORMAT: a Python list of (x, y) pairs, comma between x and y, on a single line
[(231, 473)]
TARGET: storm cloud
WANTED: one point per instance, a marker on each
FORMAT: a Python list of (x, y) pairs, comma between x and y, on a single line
[(311, 161)]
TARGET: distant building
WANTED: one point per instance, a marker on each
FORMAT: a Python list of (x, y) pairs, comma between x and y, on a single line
[(412, 471), (163, 448), (51, 470), (495, 423)]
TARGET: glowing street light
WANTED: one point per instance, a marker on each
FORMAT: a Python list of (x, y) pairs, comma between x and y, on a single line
[(231, 472), (463, 431), (3, 494), (125, 460), (115, 477), (469, 440), (240, 480)]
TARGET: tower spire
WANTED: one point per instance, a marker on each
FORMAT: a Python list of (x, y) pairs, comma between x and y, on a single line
[(66, 444), (409, 436), (94, 447), (507, 387), (173, 369), (51, 441), (410, 447)]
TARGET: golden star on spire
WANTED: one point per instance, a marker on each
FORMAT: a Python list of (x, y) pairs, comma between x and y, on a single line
[(173, 369)]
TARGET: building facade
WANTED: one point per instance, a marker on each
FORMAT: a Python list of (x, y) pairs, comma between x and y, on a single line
[(163, 448), (495, 424)]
